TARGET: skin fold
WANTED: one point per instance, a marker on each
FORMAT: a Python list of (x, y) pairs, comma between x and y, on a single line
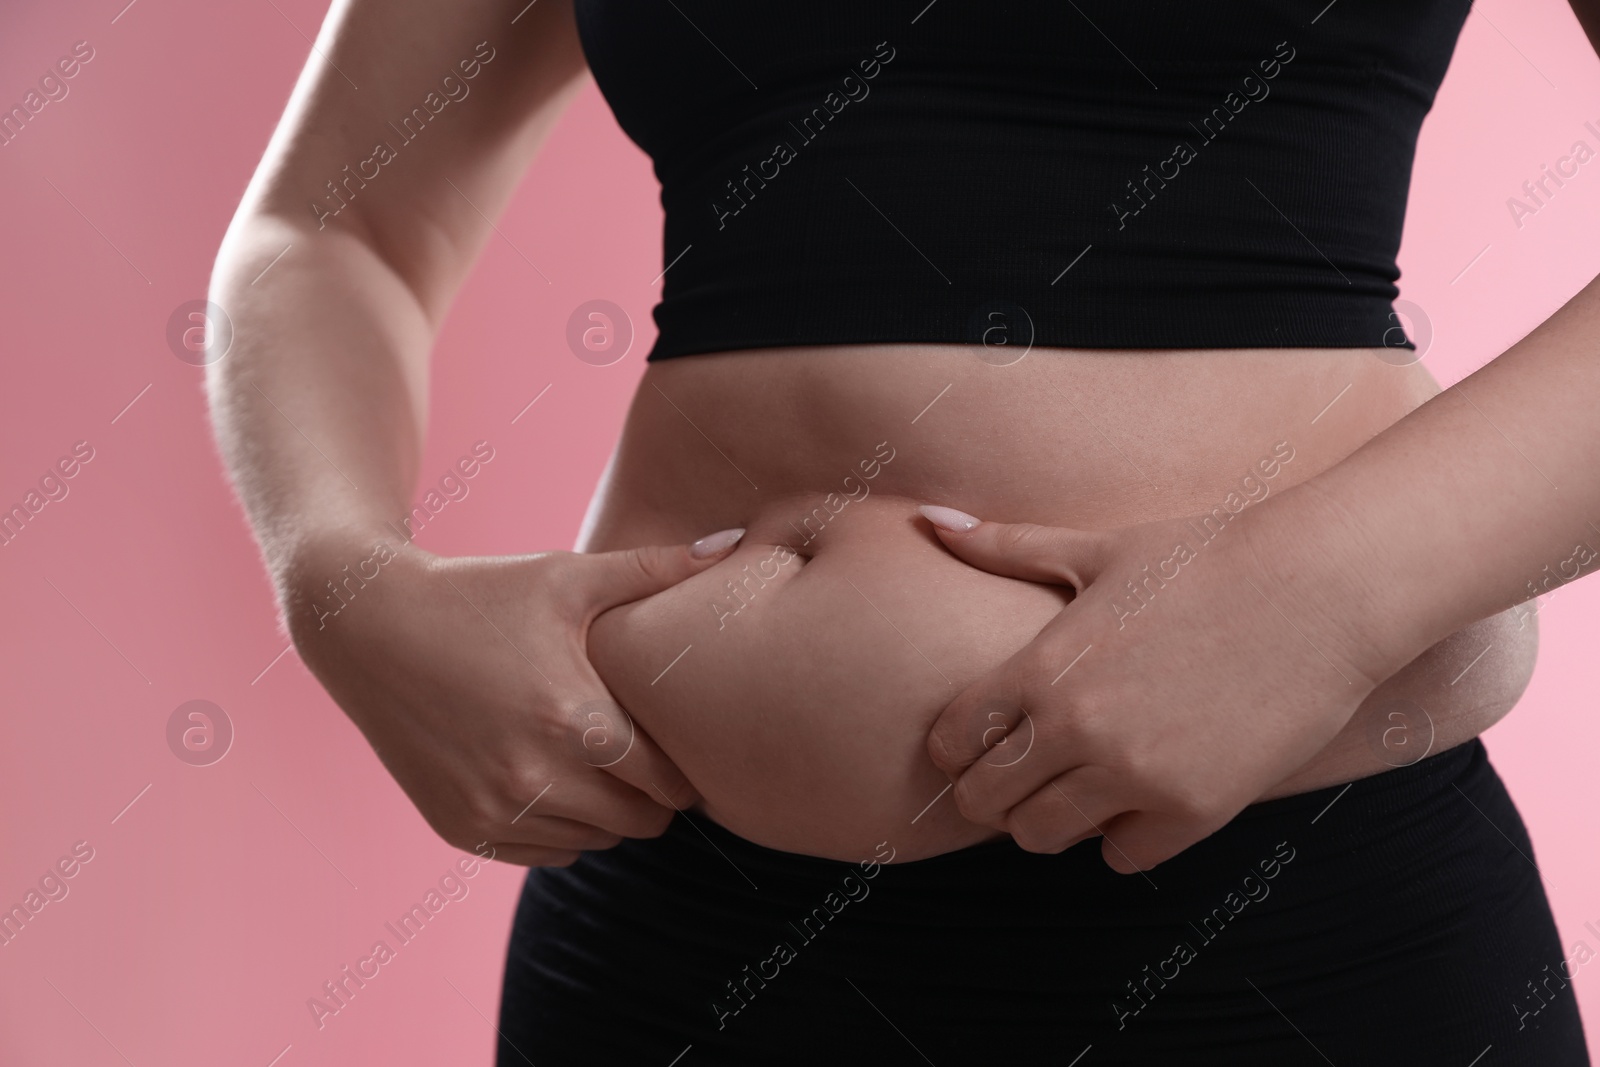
[(799, 699)]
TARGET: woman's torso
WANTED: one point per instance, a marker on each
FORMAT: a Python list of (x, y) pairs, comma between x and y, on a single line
[(796, 696), (853, 190)]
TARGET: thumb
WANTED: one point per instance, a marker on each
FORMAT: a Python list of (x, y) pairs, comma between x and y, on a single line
[(1055, 554), (635, 573)]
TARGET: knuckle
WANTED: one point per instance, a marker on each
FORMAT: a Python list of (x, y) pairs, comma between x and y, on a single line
[(482, 811), (972, 801), (1105, 733), (1134, 764), (674, 796), (477, 814), (661, 562), (1037, 667), (1029, 835), (657, 821), (1036, 828), (940, 747), (963, 737), (518, 783), (1190, 801), (1047, 844), (598, 732), (649, 564), (647, 819)]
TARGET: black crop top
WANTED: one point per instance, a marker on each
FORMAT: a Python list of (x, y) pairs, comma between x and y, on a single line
[(1081, 173)]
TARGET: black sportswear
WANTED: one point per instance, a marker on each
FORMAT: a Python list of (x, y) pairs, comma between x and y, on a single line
[(1399, 922), (1084, 173)]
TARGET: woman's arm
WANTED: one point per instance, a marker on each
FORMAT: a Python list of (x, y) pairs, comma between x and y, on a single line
[(1259, 650), (320, 405), (1480, 499), (1254, 652), (407, 131)]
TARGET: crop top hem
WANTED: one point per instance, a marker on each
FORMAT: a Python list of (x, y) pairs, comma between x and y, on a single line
[(1239, 323)]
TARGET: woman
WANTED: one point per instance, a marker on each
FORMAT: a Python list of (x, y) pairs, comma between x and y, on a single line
[(1095, 566)]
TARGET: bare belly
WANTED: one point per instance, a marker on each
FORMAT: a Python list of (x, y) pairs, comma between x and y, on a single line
[(796, 690)]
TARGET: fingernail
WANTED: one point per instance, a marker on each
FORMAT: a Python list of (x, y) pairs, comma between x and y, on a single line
[(948, 518), (711, 544)]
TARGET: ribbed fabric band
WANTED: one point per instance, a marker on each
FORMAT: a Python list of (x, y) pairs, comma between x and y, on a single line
[(1099, 175)]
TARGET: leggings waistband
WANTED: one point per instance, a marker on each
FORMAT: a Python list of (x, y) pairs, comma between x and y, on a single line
[(1394, 799), (1396, 919)]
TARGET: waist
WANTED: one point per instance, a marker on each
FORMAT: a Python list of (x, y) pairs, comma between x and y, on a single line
[(1094, 438), (796, 691)]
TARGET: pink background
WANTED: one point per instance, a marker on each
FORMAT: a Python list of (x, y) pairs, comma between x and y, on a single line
[(225, 895)]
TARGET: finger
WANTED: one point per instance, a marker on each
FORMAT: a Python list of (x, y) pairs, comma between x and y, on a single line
[(1069, 808), (609, 739), (613, 578), (589, 798), (1034, 553), (1008, 774), (980, 720), (556, 832), (1139, 840)]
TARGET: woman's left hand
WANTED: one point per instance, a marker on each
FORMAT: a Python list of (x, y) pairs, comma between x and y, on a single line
[(1174, 689)]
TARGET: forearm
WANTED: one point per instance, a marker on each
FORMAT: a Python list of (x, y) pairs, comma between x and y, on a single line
[(320, 404), (1456, 511)]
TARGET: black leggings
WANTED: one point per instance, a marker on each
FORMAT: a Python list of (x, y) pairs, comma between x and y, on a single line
[(1397, 920)]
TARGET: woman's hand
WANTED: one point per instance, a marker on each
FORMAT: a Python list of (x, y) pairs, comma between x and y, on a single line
[(471, 680), (1175, 689)]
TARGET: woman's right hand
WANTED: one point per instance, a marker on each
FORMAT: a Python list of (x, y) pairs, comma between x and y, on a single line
[(471, 680)]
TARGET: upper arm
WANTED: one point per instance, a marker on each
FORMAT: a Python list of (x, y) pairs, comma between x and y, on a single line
[(412, 121)]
